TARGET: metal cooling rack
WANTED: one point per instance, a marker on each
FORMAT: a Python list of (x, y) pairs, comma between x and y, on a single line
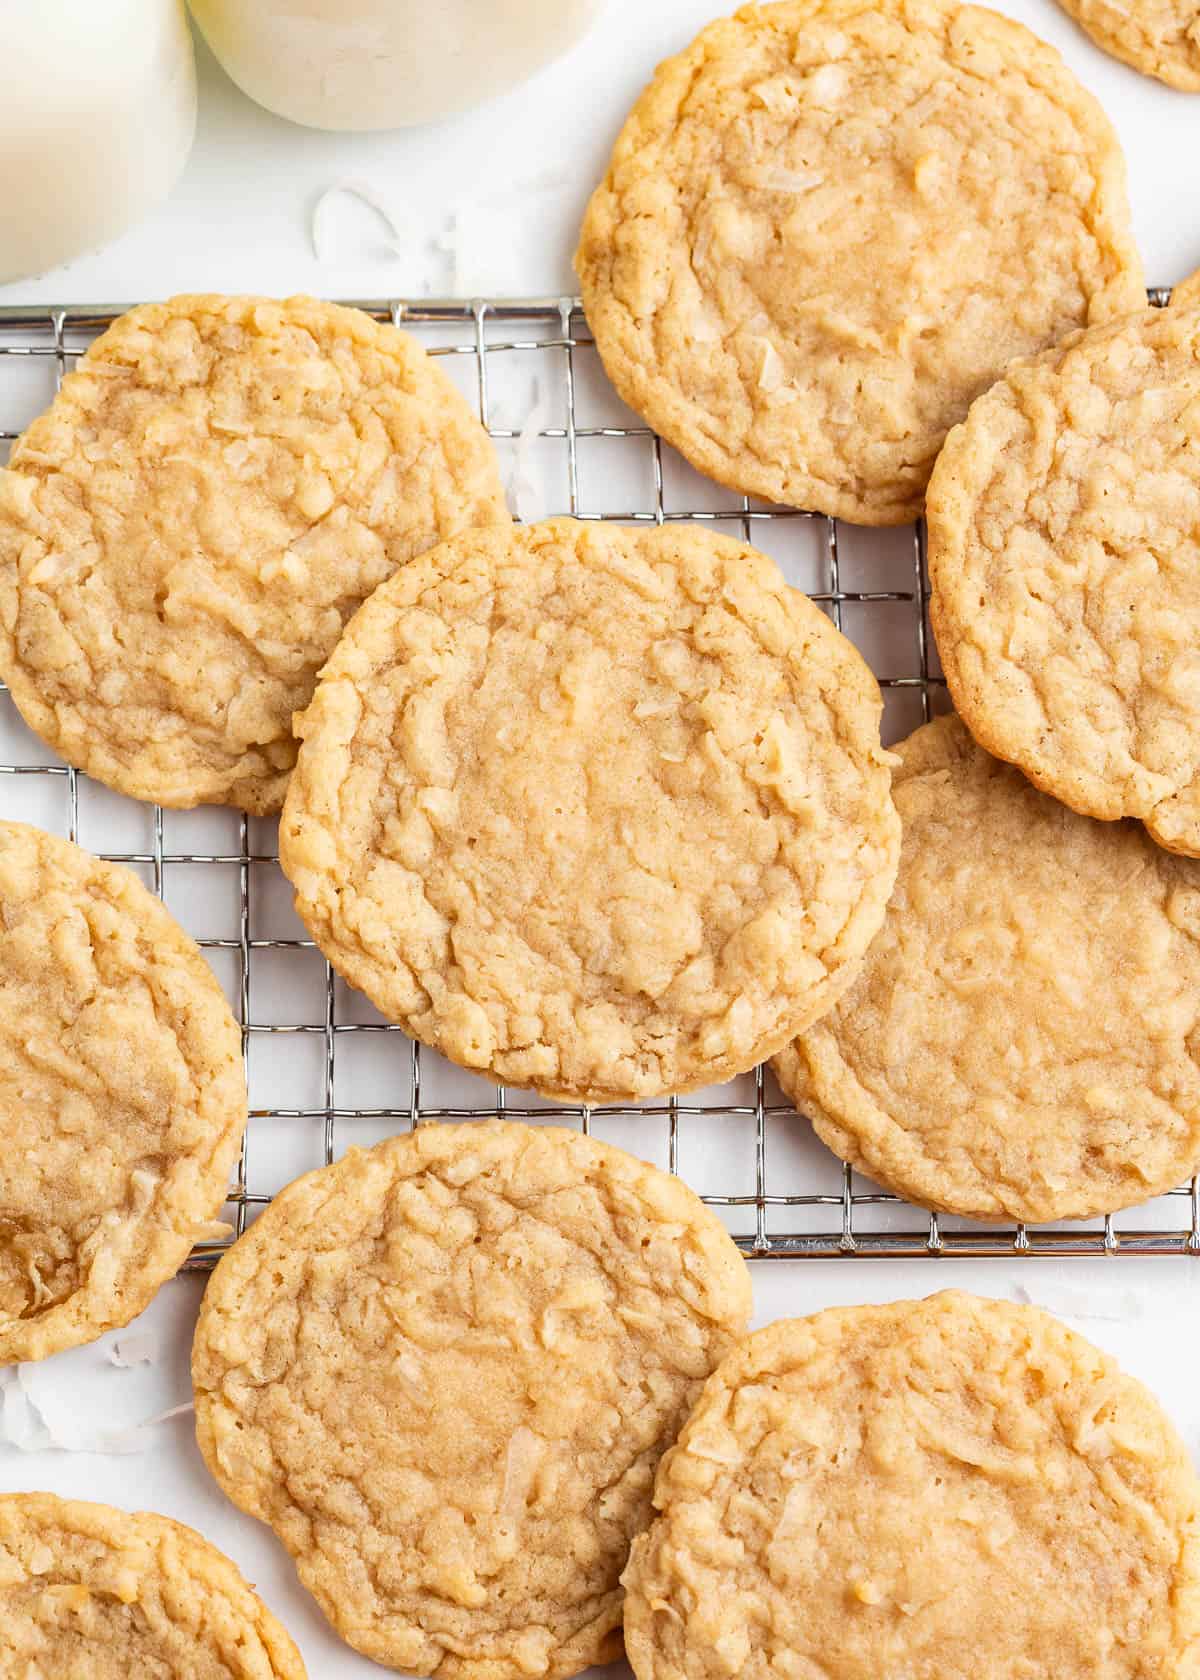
[(785, 1197)]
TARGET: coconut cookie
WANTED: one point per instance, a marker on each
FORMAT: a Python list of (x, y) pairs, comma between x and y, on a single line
[(187, 529), (122, 1095), (1022, 1040), (596, 810), (444, 1370), (829, 224), (1158, 37), (945, 1488), (1065, 569), (86, 1590)]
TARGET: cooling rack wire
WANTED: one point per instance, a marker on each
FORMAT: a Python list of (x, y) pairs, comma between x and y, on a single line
[(325, 1071)]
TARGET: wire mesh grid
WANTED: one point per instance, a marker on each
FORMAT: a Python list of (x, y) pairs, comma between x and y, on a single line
[(530, 366)]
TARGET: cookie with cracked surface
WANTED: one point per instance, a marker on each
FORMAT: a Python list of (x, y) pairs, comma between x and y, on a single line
[(1161, 38), (444, 1371), (1021, 1042), (946, 1488), (596, 810), (721, 259), (186, 530), (121, 1075), (1065, 571), (86, 1590)]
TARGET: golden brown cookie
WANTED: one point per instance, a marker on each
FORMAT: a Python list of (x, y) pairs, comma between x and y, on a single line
[(592, 809), (950, 1488), (829, 224), (1021, 1042), (1158, 37), (444, 1371), (1065, 569), (186, 530), (91, 1593), (122, 1095)]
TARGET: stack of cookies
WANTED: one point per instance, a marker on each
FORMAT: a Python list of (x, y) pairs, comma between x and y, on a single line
[(604, 813)]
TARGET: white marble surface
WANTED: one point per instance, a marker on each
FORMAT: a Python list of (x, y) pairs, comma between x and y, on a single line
[(521, 169)]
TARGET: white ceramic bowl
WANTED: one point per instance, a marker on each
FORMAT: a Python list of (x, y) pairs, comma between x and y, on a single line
[(371, 64)]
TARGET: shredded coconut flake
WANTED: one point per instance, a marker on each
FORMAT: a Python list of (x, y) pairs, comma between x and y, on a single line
[(27, 1424), (505, 415), (366, 194), (703, 328), (20, 1422), (715, 1449), (778, 94), (826, 86), (1101, 1302), (526, 491), (139, 1347), (520, 1468), (774, 178), (140, 1435), (772, 373)]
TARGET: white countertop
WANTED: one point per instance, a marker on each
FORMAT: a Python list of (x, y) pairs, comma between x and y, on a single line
[(239, 220)]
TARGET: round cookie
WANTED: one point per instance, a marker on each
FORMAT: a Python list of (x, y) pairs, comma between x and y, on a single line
[(88, 1590), (592, 809), (829, 224), (444, 1371), (1065, 571), (1021, 1042), (1158, 37), (122, 1093), (946, 1488), (186, 530)]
